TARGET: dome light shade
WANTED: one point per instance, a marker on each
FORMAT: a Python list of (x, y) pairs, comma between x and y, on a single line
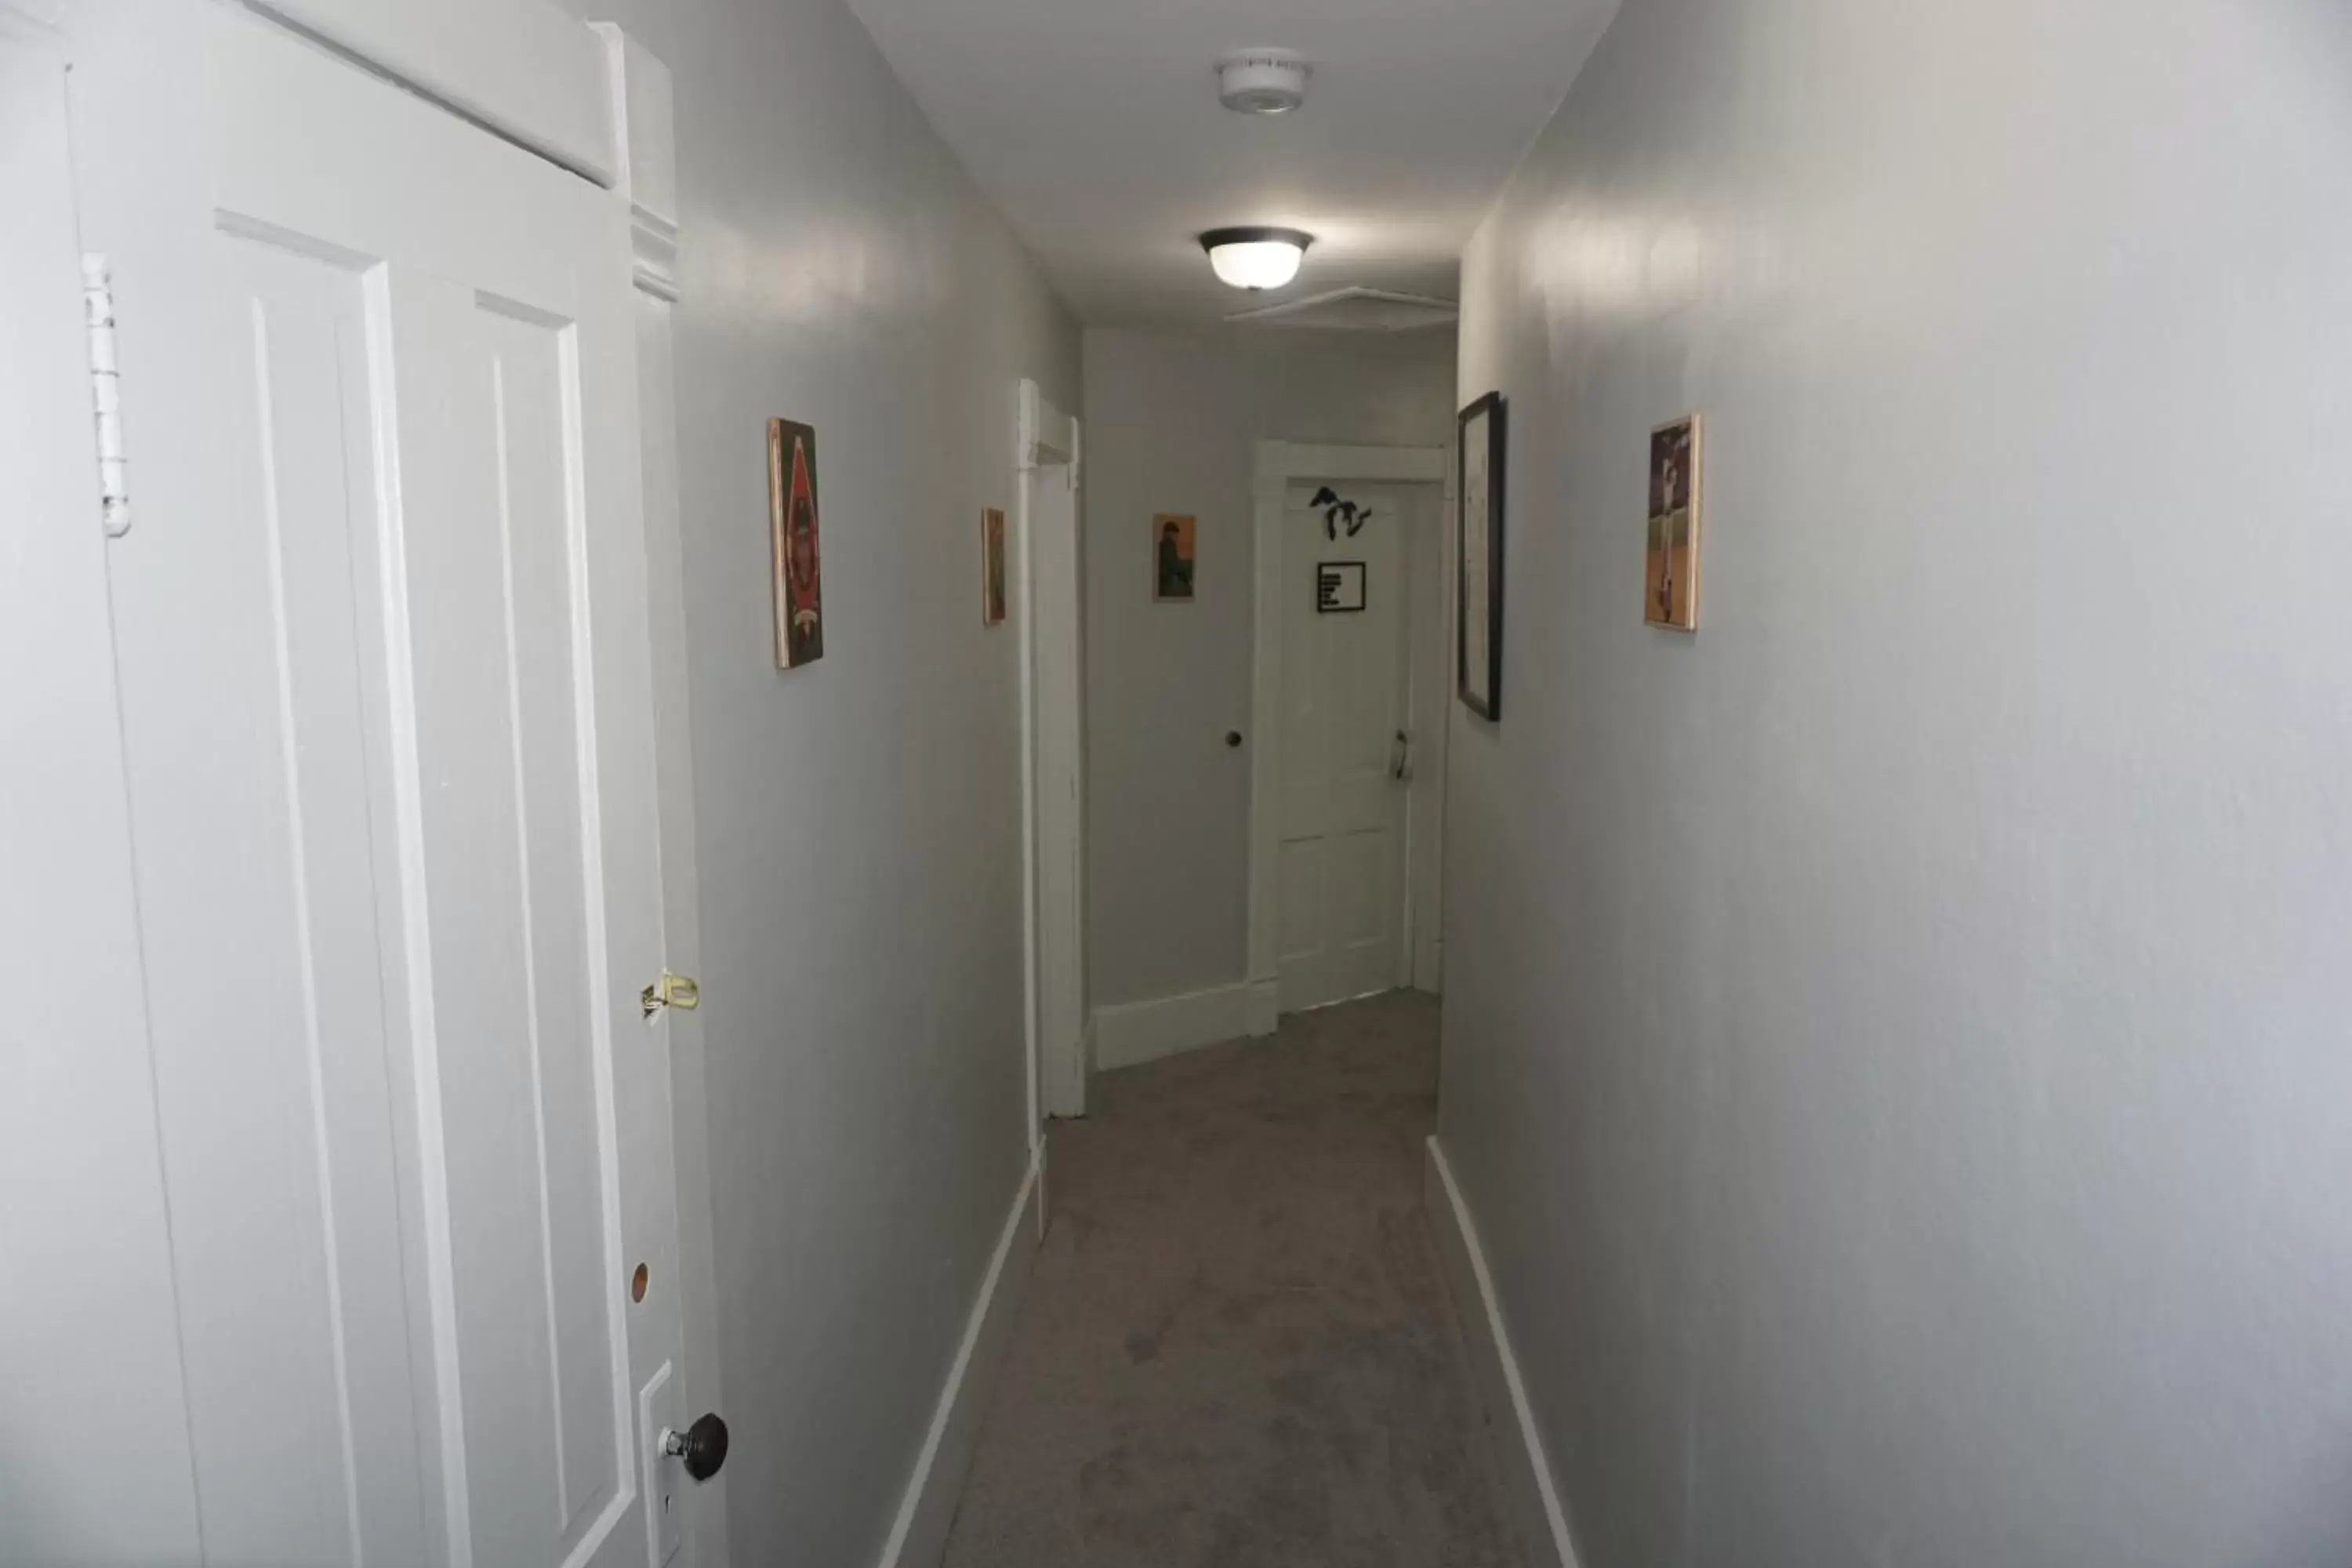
[(1256, 257)]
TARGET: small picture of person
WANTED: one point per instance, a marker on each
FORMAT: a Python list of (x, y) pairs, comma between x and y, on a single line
[(992, 567), (1670, 588), (1171, 576)]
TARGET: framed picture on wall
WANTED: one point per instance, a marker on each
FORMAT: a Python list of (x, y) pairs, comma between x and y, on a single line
[(1670, 577), (793, 544), (991, 566), (1171, 558), (1479, 556)]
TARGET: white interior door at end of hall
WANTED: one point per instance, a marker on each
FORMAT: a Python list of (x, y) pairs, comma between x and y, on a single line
[(385, 684), (1339, 875)]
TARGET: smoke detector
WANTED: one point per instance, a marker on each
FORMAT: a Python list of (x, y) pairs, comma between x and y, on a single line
[(1262, 82)]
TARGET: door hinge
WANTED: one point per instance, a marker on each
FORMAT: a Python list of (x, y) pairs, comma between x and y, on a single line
[(678, 991), (106, 396)]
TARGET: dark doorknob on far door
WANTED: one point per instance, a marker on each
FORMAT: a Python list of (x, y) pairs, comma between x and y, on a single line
[(1232, 737), (702, 1446)]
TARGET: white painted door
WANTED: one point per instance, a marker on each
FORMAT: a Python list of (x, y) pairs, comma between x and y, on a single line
[(1055, 700), (1341, 861), (381, 630)]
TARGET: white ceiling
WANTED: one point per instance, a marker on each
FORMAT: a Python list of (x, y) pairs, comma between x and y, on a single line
[(1095, 125)]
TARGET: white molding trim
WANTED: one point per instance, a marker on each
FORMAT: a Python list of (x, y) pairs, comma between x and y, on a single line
[(1048, 436), (1510, 1421), (1262, 1012), (1044, 438), (645, 134), (928, 1505), (1432, 723), (1136, 1032), (640, 98), (1281, 464), (1028, 402), (522, 68)]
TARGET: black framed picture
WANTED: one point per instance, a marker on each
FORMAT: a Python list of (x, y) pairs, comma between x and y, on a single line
[(1339, 587), (1478, 555)]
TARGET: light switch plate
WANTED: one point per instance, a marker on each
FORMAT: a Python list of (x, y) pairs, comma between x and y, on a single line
[(665, 1507)]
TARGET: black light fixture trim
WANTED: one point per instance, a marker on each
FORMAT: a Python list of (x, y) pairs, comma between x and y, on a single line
[(1254, 235)]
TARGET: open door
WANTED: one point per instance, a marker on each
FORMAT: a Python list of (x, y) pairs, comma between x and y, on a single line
[(1052, 698), (380, 620)]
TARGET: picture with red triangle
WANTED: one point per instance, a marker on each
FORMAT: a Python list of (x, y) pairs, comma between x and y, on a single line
[(793, 539)]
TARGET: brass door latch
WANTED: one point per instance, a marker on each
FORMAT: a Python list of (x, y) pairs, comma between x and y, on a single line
[(678, 991)]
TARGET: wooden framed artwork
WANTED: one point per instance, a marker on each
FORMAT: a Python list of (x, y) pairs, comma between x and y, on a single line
[(1480, 452), (1171, 558), (798, 569), (991, 566), (1670, 577)]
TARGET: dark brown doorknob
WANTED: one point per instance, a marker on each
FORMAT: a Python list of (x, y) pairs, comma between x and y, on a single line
[(702, 1446), (1232, 737)]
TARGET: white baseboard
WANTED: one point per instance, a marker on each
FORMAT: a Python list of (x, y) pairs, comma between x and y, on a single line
[(1146, 1031), (1263, 1009), (1518, 1448), (927, 1509), (1429, 965)]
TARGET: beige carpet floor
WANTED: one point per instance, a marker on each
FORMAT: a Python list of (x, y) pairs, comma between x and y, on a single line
[(1237, 1348)]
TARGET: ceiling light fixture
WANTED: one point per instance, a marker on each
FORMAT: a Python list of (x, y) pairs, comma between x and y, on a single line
[(1261, 81), (1256, 257)]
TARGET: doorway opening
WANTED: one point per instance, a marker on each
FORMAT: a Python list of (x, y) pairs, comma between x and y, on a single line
[(1350, 704), (1052, 698)]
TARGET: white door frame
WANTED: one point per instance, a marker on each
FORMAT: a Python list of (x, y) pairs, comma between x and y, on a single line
[(522, 68), (1046, 438), (1281, 464), (646, 176)]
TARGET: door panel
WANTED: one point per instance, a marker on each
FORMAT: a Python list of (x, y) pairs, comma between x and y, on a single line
[(487, 469), (387, 713), (337, 1323), (242, 650), (1340, 857)]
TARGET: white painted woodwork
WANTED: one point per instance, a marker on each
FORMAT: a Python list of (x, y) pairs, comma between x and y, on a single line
[(1430, 703), (645, 134), (680, 1515), (926, 1509), (1288, 946), (88, 1339), (523, 67), (1339, 864), (381, 632), (1053, 705)]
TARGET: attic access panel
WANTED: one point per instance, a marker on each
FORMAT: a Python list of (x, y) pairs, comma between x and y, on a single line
[(1354, 310)]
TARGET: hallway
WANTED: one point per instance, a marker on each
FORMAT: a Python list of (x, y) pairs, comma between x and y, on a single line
[(1237, 1347)]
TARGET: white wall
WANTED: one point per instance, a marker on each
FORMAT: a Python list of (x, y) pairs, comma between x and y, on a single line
[(1172, 422), (1894, 1042), (90, 1337), (858, 819)]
